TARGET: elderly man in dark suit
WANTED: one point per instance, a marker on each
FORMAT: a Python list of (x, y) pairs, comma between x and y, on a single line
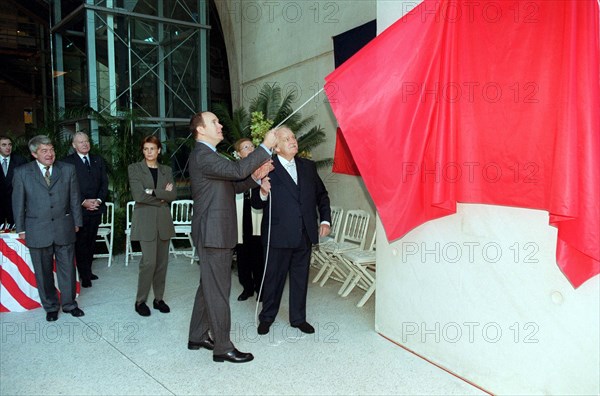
[(47, 213), (297, 193), (9, 162), (215, 181), (93, 186)]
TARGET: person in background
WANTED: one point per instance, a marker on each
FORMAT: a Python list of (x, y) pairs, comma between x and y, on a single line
[(297, 194), (9, 162), (93, 187), (153, 191), (47, 214), (215, 181), (249, 252)]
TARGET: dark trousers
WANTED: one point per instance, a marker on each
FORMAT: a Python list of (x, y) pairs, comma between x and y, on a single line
[(296, 262), (43, 265), (211, 306), (250, 264), (85, 245)]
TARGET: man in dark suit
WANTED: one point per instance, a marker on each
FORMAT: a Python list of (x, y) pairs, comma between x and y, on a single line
[(215, 181), (296, 194), (9, 162), (93, 187), (47, 213)]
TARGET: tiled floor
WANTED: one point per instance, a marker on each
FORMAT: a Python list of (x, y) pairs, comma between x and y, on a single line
[(114, 351)]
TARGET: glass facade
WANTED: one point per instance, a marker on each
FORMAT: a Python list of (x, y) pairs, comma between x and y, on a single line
[(119, 57)]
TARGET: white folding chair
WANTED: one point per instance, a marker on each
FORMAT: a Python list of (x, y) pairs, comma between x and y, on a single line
[(129, 252), (181, 212), (353, 237), (106, 231), (317, 258), (362, 263)]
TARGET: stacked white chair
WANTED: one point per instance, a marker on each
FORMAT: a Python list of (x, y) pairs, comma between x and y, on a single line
[(181, 212), (362, 264), (318, 258), (106, 231), (353, 237)]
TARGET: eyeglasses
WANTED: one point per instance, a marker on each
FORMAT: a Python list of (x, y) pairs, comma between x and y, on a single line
[(246, 148)]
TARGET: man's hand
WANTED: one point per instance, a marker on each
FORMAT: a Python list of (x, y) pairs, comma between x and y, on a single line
[(91, 204), (265, 186), (169, 187), (324, 230), (263, 170), (76, 229), (270, 139)]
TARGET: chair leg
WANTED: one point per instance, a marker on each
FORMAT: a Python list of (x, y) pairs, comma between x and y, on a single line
[(352, 285), (320, 273), (366, 296)]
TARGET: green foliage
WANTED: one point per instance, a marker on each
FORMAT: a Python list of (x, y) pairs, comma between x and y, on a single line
[(269, 108), (259, 127)]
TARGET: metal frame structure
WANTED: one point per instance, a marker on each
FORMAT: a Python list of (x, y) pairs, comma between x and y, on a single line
[(122, 56)]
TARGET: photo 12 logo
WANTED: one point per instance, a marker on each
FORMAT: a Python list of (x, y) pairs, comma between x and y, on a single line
[(453, 332), (470, 11), (25, 332), (287, 11)]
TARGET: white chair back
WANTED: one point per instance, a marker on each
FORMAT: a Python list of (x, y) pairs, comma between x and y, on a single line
[(106, 231)]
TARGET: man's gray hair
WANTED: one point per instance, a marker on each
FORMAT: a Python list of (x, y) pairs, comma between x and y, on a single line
[(79, 134), (35, 142)]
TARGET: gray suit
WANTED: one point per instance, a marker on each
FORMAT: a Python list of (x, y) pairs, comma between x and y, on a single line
[(152, 226), (48, 216), (215, 181)]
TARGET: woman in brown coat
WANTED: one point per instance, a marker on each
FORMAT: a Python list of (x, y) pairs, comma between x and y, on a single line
[(153, 190)]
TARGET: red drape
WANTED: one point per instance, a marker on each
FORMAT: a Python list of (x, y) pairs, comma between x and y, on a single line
[(342, 158), (481, 102)]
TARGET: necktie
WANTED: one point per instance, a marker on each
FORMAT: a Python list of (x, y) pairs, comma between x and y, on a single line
[(291, 169), (86, 162), (47, 175), (5, 166)]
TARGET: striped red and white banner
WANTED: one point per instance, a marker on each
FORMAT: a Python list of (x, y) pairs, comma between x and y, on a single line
[(18, 287)]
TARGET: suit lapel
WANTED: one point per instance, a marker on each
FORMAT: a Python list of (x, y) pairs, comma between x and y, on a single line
[(56, 174)]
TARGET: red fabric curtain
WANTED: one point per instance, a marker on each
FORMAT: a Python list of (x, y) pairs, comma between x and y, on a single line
[(342, 158), (481, 102)]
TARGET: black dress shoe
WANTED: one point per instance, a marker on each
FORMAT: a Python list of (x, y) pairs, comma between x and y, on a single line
[(263, 327), (161, 306), (75, 312), (206, 344), (52, 316), (234, 356), (305, 328), (86, 283), (142, 309), (244, 296), (94, 277)]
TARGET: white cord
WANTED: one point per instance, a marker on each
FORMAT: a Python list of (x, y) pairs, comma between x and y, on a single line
[(262, 282), (303, 104)]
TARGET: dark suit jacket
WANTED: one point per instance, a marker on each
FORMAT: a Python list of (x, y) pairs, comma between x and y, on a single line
[(215, 181), (151, 217), (47, 214), (294, 206), (6, 186), (93, 183)]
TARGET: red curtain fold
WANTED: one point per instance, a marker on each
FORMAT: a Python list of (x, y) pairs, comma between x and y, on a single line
[(481, 102), (342, 158)]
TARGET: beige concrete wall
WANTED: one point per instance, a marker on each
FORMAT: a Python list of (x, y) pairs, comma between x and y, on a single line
[(290, 43)]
